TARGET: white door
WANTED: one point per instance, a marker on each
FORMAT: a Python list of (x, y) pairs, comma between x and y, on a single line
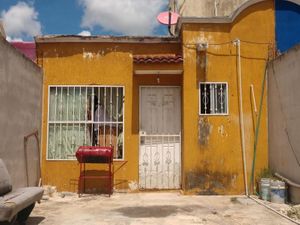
[(160, 138)]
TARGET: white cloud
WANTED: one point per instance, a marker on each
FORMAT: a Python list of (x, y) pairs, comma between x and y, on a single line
[(21, 20), (129, 17), (85, 33), (9, 39)]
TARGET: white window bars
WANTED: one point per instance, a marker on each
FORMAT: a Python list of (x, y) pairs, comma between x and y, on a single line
[(85, 115), (213, 98)]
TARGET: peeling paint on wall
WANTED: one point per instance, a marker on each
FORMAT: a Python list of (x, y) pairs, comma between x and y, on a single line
[(133, 185), (221, 131), (202, 38), (88, 55)]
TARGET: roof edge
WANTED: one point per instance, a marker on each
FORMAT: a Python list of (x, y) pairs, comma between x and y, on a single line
[(224, 19), (106, 39)]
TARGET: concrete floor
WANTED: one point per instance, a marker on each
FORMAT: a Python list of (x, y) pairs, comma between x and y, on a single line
[(152, 208)]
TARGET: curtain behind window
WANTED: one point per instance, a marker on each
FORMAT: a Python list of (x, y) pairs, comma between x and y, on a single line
[(70, 118)]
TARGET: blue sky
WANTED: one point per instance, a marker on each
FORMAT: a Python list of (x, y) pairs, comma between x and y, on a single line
[(27, 18)]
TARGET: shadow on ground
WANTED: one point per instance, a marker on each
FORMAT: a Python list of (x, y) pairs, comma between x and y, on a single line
[(34, 220), (157, 211)]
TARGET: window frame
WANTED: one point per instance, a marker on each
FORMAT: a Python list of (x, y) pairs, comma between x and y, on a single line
[(82, 86), (227, 99)]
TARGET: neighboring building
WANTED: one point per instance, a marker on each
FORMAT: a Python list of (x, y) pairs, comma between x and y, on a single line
[(171, 107), (287, 16), (287, 24), (284, 111), (205, 8), (26, 48), (20, 115)]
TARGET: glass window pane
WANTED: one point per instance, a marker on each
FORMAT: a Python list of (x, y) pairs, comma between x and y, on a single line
[(84, 116), (82, 104), (64, 104), (59, 104), (120, 104), (119, 147), (114, 104), (213, 98), (52, 104), (51, 142), (71, 104)]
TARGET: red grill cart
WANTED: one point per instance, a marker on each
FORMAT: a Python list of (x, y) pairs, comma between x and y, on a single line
[(95, 154)]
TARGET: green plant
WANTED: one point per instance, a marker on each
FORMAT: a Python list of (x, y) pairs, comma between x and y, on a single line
[(265, 173)]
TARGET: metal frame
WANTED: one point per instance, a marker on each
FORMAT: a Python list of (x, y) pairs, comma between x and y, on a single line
[(227, 99), (168, 136), (84, 159), (84, 122)]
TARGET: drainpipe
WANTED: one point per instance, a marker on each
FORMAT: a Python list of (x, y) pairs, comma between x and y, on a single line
[(237, 43), (216, 4), (287, 180)]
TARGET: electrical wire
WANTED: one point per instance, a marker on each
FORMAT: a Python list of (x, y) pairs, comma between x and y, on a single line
[(223, 43), (257, 43), (229, 42)]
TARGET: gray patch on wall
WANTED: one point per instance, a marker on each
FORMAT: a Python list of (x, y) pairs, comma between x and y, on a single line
[(210, 182), (204, 131)]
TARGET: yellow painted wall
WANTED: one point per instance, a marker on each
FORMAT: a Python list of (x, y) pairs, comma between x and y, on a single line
[(212, 164), (98, 64)]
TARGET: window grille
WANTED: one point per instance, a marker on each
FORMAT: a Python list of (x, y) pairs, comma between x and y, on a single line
[(84, 115), (213, 98)]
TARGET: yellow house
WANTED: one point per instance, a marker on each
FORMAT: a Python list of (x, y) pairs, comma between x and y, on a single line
[(181, 112)]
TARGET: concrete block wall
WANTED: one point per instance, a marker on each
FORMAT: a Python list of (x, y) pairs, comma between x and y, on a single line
[(20, 113), (284, 111)]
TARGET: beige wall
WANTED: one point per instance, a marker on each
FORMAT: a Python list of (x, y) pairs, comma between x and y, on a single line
[(20, 113), (284, 111), (206, 8)]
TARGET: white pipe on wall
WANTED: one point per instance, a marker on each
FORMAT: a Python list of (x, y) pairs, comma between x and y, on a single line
[(237, 43), (253, 99), (216, 7)]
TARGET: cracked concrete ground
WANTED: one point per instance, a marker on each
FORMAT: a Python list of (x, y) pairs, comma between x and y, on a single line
[(152, 208)]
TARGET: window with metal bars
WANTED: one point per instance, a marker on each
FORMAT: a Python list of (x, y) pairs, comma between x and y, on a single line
[(84, 115), (213, 98)]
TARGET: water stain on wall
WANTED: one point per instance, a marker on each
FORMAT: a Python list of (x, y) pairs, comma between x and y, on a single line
[(209, 182), (204, 131)]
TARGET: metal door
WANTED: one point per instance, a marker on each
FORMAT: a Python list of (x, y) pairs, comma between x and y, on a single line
[(160, 138)]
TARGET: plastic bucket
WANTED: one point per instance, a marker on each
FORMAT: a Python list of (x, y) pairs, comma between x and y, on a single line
[(264, 189), (277, 191)]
